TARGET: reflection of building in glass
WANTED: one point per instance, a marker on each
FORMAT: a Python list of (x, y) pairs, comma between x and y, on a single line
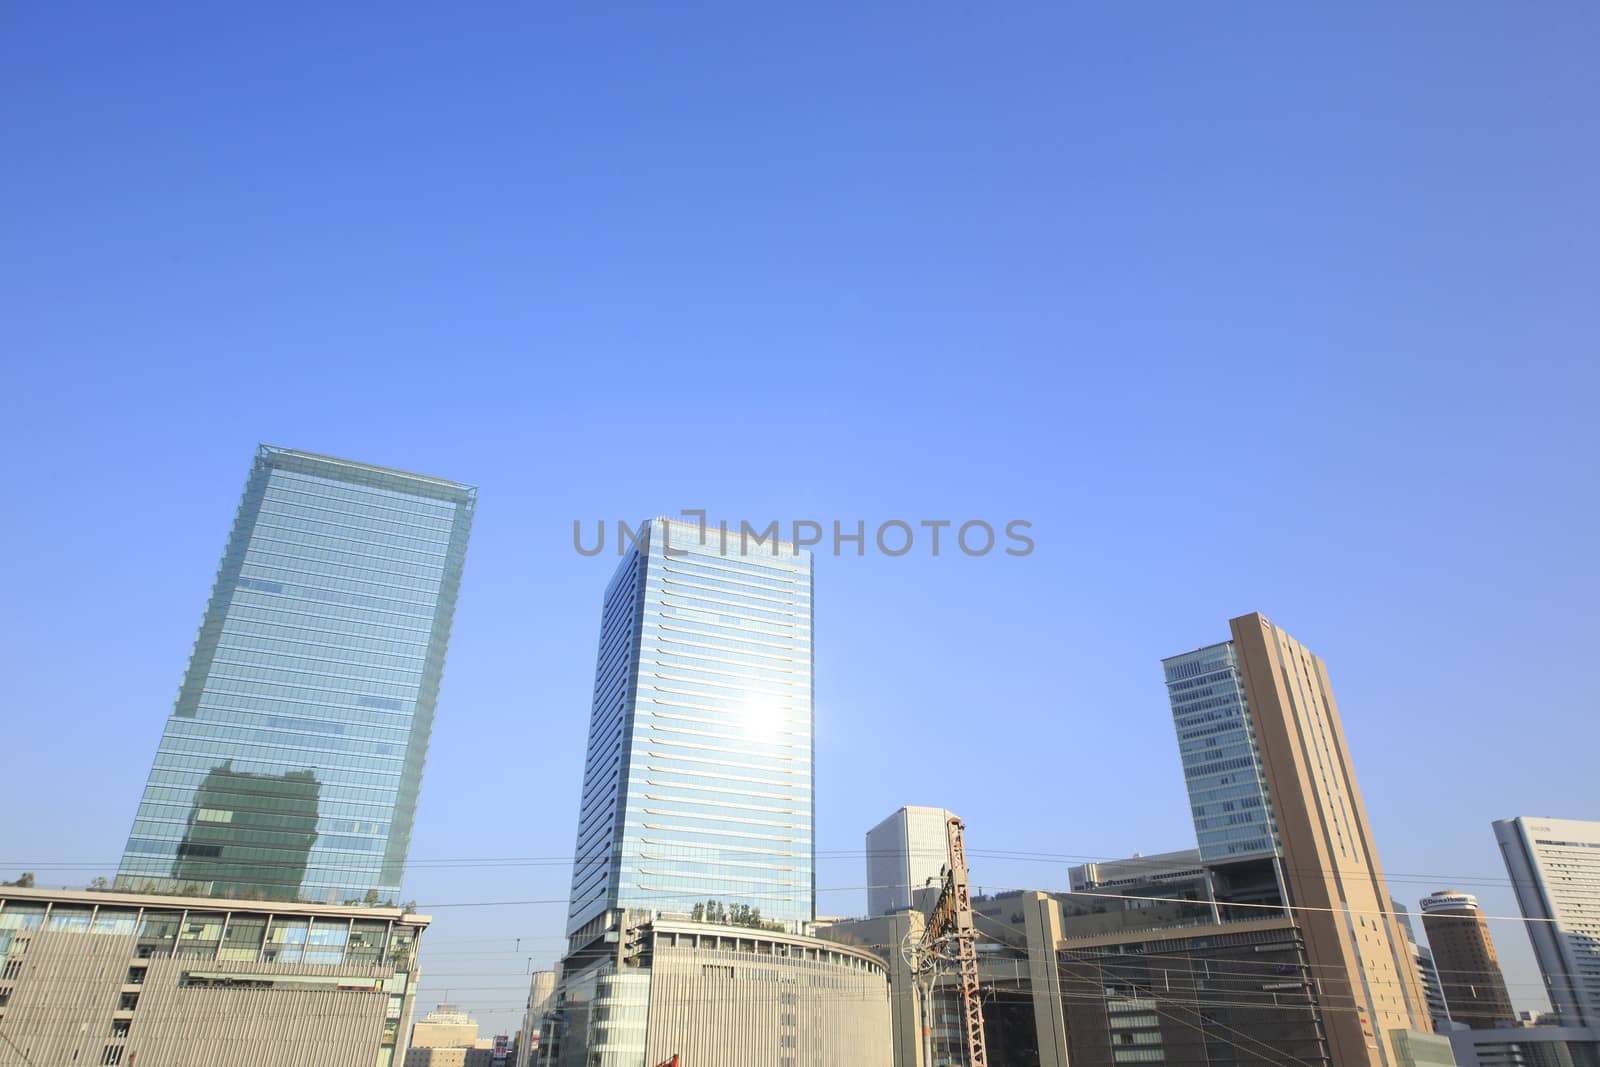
[(320, 653), (249, 834)]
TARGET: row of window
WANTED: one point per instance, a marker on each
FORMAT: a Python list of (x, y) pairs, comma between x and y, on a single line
[(756, 730), (291, 618), (726, 606), (690, 772), (356, 485), (312, 534), (758, 565), (297, 741), (359, 726), (336, 798), (372, 767), (317, 636), (261, 681), (396, 561), (672, 635), (323, 659), (267, 582), (787, 640), (265, 764), (679, 690), (314, 707), (744, 751), (283, 499), (323, 566), (781, 600), (713, 666)]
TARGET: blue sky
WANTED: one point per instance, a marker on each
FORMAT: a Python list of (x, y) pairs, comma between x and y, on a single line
[(1247, 307)]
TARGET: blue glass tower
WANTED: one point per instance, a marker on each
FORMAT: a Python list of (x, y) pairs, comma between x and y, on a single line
[(291, 763), (698, 780), (1221, 762)]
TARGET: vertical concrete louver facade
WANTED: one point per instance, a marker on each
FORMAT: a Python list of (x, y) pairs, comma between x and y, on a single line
[(732, 998), (717, 995), (1369, 986), (156, 981)]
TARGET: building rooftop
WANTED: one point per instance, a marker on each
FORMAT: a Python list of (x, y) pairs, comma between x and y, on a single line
[(117, 898)]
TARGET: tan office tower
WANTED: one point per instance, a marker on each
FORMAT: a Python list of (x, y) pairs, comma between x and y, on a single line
[(1474, 987), (1257, 724)]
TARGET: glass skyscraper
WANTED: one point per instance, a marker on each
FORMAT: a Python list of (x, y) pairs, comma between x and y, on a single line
[(698, 782), (1221, 761), (290, 766)]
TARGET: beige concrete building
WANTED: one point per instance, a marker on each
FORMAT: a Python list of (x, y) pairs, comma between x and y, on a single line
[(448, 1037), (1474, 986), (1281, 822), (112, 978), (646, 988), (1355, 942), (447, 1026), (1024, 1015)]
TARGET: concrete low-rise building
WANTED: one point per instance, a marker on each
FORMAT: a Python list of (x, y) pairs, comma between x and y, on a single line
[(643, 988), (113, 978), (448, 1037), (1090, 979)]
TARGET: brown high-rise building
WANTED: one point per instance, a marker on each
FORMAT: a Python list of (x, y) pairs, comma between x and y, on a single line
[(1474, 987), (1278, 815)]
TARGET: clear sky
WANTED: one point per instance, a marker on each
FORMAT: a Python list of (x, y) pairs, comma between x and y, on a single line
[(1245, 307)]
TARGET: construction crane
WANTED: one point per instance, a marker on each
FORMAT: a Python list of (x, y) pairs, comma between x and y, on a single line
[(950, 931)]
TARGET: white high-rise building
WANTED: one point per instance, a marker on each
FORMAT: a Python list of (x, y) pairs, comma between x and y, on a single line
[(1554, 866), (906, 853)]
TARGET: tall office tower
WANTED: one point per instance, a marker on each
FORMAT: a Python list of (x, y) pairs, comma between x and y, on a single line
[(1427, 970), (1474, 986), (698, 780), (290, 765), (906, 854), (1275, 799), (1555, 869)]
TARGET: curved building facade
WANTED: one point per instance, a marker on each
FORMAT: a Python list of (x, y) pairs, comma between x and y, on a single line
[(1474, 986), (718, 995)]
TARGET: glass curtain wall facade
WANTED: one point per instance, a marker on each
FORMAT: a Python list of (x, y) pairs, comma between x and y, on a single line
[(290, 766), (698, 783), (1221, 762)]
